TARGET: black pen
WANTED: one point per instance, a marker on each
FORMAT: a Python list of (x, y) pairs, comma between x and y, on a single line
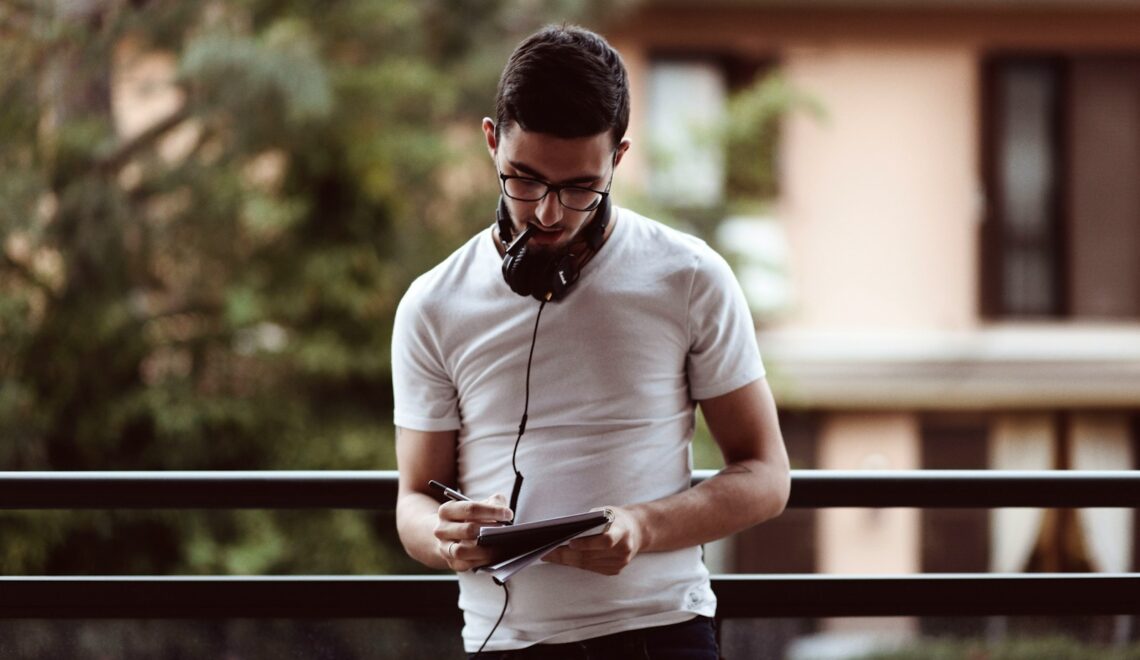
[(449, 493), (456, 496)]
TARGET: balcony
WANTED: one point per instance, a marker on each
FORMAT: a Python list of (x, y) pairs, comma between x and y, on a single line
[(431, 598)]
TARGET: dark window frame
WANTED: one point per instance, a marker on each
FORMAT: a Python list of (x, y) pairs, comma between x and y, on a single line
[(995, 241)]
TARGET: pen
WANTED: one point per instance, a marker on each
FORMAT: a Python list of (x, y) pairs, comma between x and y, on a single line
[(456, 496), (520, 241), (449, 493)]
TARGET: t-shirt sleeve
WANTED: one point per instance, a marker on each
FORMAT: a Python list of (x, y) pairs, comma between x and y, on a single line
[(723, 354), (424, 394)]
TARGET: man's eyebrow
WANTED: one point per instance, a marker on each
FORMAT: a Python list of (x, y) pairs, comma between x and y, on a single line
[(532, 172)]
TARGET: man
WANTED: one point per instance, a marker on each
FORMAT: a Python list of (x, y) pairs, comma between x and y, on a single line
[(624, 326)]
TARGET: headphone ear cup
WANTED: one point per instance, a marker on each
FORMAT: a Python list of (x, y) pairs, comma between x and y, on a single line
[(563, 275), (530, 274), (537, 276), (503, 221), (514, 267), (598, 225)]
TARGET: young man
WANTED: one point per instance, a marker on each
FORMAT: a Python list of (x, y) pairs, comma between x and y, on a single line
[(643, 323)]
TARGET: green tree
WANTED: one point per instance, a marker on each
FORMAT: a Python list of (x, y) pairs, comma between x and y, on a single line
[(217, 290)]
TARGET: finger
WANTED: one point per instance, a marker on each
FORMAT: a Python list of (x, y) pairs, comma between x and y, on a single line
[(605, 541), (568, 557), (605, 565), (559, 556), (602, 565), (465, 555), (447, 531), (473, 511), (459, 557), (571, 556), (446, 549), (499, 501)]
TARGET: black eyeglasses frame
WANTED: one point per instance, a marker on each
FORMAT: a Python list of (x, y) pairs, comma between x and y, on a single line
[(558, 188)]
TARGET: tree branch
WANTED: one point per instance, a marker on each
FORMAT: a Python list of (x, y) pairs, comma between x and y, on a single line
[(147, 189), (27, 274), (120, 155)]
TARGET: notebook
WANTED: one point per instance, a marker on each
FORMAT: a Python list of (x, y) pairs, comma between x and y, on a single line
[(526, 543)]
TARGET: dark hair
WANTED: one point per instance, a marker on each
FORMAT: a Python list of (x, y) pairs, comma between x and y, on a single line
[(566, 81)]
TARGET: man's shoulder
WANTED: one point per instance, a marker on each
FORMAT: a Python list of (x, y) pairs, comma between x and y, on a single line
[(666, 244), (446, 278)]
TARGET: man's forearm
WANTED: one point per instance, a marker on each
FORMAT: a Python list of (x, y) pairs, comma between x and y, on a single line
[(416, 519), (741, 495)]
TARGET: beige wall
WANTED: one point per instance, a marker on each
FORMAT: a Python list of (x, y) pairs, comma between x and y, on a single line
[(862, 541), (881, 197), (634, 172)]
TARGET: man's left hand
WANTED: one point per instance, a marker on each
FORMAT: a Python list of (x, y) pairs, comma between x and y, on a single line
[(606, 553)]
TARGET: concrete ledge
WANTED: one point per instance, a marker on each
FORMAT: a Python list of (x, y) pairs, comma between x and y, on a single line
[(991, 368)]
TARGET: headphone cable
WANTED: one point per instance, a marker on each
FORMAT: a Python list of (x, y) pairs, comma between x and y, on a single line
[(506, 599), (518, 475), (517, 488)]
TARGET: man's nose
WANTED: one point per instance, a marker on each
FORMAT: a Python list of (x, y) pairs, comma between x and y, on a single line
[(549, 211)]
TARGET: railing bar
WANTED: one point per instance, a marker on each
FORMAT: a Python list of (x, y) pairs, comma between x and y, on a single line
[(375, 490), (740, 596)]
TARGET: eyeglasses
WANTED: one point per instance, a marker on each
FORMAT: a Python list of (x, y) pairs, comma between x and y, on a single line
[(575, 198)]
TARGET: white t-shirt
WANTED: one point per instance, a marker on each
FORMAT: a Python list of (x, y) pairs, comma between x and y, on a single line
[(656, 322)]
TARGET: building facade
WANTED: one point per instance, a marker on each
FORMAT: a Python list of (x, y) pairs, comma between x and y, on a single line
[(957, 253)]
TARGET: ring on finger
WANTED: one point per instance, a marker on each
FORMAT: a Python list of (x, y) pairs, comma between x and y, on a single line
[(451, 549)]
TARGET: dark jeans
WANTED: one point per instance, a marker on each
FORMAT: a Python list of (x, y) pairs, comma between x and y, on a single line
[(692, 640)]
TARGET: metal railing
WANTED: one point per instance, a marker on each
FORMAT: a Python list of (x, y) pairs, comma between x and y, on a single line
[(958, 594)]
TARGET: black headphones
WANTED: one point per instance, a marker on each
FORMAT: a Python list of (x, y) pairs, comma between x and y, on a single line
[(547, 278)]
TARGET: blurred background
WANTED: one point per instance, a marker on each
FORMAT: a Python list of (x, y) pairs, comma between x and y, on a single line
[(209, 211)]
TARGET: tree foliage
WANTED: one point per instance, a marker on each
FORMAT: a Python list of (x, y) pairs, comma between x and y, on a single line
[(215, 289)]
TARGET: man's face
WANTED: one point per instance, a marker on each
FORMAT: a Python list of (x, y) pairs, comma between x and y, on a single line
[(586, 162)]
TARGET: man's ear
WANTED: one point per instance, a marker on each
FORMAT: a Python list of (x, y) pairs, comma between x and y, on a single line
[(489, 135), (622, 147)]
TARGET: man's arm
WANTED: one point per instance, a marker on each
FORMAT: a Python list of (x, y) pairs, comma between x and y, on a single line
[(439, 536), (753, 487)]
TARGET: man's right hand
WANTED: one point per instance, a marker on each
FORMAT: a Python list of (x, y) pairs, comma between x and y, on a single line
[(458, 527)]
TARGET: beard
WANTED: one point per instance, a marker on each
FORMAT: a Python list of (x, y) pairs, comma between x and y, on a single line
[(545, 253)]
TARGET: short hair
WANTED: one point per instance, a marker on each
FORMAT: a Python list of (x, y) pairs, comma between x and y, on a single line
[(565, 81)]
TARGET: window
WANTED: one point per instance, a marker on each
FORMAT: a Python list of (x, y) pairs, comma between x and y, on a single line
[(1062, 148), (686, 101), (687, 110)]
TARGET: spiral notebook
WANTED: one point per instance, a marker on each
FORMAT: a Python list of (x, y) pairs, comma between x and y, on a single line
[(526, 543)]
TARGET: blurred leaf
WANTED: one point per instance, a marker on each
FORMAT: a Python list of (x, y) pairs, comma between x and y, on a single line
[(220, 293), (278, 71)]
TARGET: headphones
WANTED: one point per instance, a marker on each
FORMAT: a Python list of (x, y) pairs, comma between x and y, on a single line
[(543, 276)]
